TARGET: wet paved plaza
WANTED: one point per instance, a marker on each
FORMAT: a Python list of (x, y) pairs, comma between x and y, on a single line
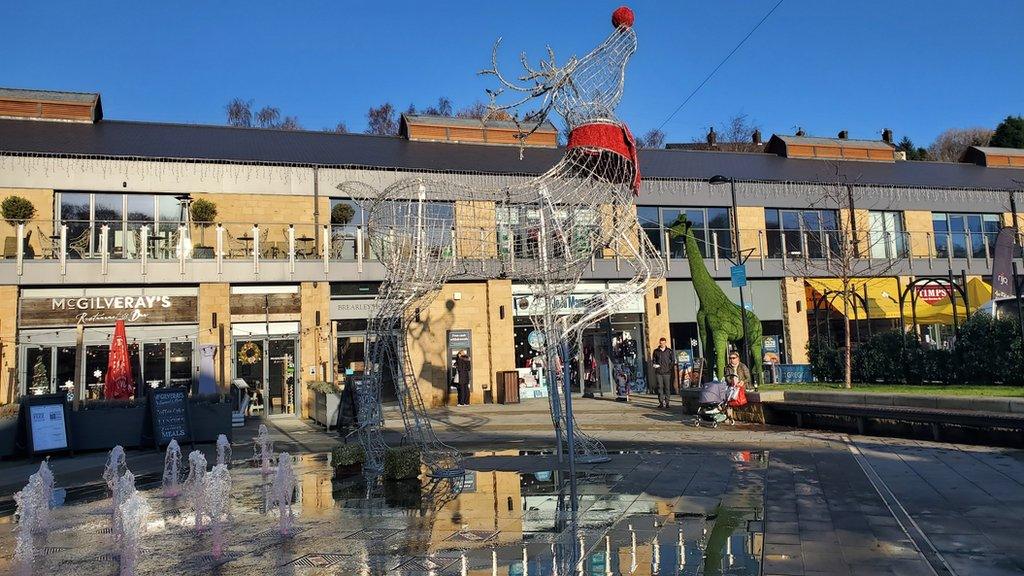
[(674, 500), (643, 513)]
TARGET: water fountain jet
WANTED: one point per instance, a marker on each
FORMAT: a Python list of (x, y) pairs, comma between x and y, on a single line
[(195, 486), (172, 470), (218, 494), (223, 450), (263, 449), (283, 491), (133, 513)]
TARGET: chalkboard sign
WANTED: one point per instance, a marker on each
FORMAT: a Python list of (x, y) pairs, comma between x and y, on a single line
[(49, 428), (168, 408)]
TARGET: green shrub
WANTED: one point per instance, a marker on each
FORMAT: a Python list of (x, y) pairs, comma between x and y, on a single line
[(402, 463), (347, 455), (989, 351), (16, 209), (826, 359), (324, 387)]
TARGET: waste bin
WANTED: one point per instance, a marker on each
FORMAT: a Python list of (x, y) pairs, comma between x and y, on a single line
[(508, 386)]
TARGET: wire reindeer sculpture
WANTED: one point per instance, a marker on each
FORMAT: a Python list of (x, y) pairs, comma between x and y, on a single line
[(543, 232)]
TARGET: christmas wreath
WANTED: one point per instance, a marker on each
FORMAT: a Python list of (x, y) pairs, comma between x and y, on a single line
[(249, 353)]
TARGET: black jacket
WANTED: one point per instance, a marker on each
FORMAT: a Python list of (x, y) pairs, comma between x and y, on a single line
[(665, 359)]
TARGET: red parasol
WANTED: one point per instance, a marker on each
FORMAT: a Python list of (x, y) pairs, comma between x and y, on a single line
[(119, 382)]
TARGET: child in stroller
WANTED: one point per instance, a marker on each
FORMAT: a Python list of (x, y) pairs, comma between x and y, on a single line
[(711, 409)]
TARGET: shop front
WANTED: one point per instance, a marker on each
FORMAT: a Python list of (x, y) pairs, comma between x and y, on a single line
[(265, 333), (160, 324), (352, 305), (763, 297), (615, 345)]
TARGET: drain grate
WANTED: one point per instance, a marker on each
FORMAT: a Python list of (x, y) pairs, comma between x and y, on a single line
[(473, 536), (373, 534), (322, 560)]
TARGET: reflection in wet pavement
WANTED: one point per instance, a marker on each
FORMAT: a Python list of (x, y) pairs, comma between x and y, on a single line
[(642, 513)]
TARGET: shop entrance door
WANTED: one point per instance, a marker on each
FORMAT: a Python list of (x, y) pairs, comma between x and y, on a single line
[(268, 366)]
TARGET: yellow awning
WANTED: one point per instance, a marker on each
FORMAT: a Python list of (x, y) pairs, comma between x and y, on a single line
[(883, 300)]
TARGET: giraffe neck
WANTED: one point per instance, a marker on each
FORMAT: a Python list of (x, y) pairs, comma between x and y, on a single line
[(705, 286)]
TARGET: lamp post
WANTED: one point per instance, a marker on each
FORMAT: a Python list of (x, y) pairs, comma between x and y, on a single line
[(715, 180)]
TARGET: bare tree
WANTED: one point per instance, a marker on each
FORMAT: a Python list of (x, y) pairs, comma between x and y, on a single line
[(950, 145), (652, 139), (846, 254), (442, 108), (735, 134), (239, 113), (381, 121), (340, 128), (482, 111)]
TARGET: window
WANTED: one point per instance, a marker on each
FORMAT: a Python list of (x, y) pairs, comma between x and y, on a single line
[(964, 234), (711, 228), (888, 237), (800, 233), (124, 214), (519, 228), (343, 234)]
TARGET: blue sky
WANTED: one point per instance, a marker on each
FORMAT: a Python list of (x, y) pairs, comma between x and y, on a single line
[(917, 66)]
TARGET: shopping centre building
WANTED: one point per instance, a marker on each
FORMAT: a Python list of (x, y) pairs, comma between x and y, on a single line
[(279, 292)]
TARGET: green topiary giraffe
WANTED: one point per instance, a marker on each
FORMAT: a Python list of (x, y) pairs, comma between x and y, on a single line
[(718, 317)]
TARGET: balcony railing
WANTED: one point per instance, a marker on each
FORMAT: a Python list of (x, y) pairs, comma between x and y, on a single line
[(149, 242)]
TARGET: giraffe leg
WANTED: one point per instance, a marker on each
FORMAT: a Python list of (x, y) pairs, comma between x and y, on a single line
[(721, 351)]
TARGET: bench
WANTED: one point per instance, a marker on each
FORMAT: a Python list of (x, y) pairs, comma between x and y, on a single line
[(933, 417)]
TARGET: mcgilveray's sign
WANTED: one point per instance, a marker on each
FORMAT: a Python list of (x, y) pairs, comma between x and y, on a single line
[(106, 310)]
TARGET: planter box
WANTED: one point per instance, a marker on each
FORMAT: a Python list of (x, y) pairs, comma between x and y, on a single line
[(325, 408), (210, 420), (104, 428), (8, 432), (202, 253)]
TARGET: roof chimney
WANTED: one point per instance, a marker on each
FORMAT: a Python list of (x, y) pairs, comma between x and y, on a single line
[(843, 134), (757, 137), (712, 136), (800, 132), (887, 135)]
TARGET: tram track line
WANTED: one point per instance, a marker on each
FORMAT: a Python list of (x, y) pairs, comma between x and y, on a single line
[(906, 522)]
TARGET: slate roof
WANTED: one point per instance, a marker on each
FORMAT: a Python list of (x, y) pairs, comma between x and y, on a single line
[(187, 142)]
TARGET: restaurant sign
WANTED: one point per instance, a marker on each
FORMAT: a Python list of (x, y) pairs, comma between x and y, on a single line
[(107, 310)]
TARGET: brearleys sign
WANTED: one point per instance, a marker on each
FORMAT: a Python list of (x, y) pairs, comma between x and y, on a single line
[(106, 310)]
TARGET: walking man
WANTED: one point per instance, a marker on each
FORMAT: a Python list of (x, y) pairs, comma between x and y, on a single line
[(664, 362)]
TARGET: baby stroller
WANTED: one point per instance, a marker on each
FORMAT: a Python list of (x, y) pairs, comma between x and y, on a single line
[(711, 409)]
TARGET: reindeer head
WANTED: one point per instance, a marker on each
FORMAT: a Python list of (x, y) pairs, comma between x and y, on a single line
[(583, 89)]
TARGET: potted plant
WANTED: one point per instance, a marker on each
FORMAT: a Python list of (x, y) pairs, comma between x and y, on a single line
[(203, 212), (8, 429), (347, 460), (342, 214), (326, 401), (210, 415), (17, 210), (103, 424)]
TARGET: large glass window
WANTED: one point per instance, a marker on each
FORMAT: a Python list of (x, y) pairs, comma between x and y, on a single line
[(710, 226), (519, 229), (800, 233), (180, 364), (888, 238), (125, 214), (346, 218), (964, 234)]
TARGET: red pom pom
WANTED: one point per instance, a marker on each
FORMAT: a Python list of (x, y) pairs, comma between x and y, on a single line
[(622, 16)]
